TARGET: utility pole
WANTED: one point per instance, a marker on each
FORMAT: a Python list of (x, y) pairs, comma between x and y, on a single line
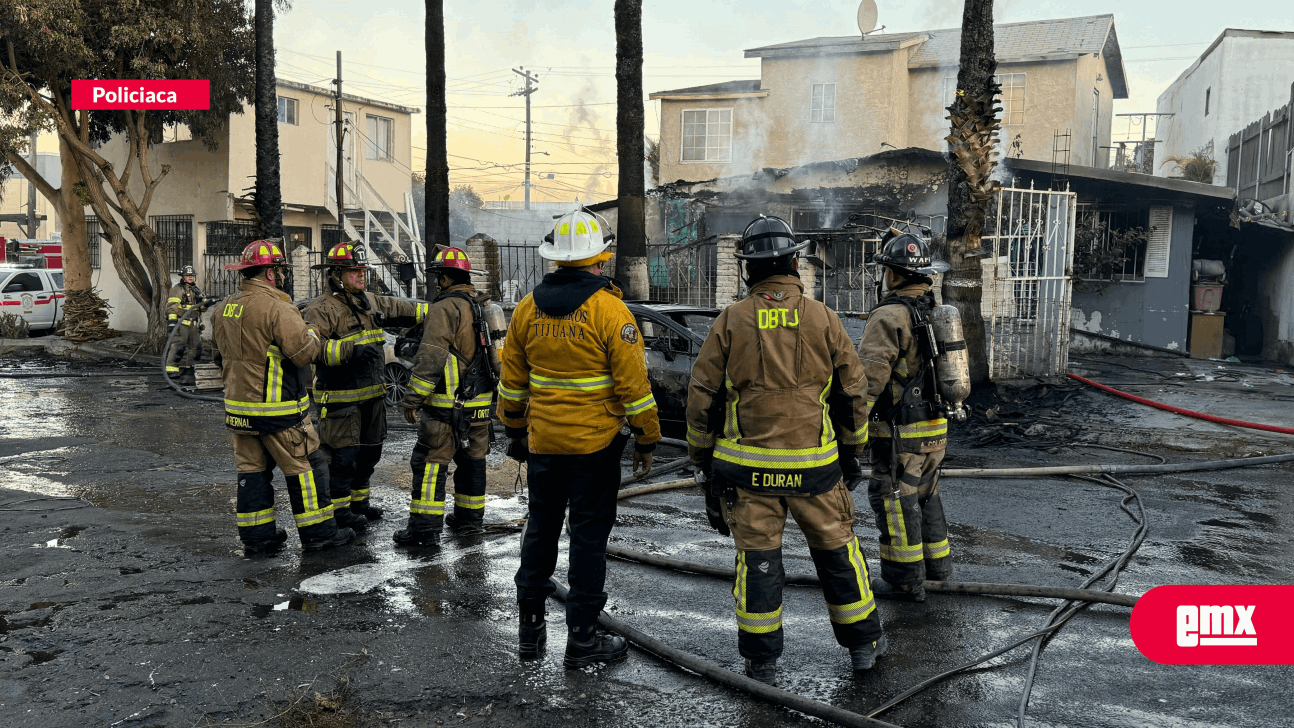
[(341, 186), (526, 92), (31, 191)]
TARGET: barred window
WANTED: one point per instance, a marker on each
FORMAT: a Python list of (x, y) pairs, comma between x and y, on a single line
[(176, 232), (94, 240)]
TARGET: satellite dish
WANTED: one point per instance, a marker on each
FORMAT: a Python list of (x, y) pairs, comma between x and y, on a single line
[(867, 16)]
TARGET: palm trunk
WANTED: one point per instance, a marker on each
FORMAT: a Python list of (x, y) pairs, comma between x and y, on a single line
[(972, 140), (436, 230), (269, 196), (631, 225)]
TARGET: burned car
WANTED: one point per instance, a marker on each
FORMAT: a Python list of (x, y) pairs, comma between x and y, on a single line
[(673, 334)]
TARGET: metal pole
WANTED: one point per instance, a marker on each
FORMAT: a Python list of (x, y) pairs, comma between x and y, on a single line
[(341, 188), (530, 89), (31, 191)]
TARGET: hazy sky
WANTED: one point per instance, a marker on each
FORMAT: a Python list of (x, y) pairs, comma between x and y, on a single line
[(570, 44)]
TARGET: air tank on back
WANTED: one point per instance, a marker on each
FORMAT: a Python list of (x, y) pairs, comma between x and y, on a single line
[(952, 365), (498, 326)]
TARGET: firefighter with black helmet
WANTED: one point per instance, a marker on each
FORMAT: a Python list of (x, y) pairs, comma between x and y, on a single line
[(574, 391), (184, 296), (452, 386), (776, 411), (908, 425), (265, 349), (350, 394)]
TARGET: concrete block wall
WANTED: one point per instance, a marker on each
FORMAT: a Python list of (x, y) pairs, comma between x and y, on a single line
[(483, 251), (728, 287)]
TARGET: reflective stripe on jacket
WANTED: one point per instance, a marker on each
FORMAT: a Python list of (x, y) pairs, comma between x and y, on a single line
[(447, 350), (776, 389), (574, 380), (341, 383), (265, 349), (887, 348), (181, 298)]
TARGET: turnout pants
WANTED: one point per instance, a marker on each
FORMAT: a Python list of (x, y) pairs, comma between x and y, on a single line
[(187, 346), (827, 521), (914, 534), (435, 449), (351, 440), (295, 452), (588, 484)]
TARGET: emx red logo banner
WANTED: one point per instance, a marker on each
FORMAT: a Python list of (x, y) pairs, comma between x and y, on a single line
[(1216, 625), (146, 95)]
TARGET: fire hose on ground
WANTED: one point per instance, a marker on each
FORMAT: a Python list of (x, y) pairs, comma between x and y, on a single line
[(170, 338), (1184, 412)]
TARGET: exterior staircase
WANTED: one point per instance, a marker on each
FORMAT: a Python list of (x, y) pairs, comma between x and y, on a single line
[(393, 238)]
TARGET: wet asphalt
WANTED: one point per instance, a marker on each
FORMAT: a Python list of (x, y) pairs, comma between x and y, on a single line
[(124, 599)]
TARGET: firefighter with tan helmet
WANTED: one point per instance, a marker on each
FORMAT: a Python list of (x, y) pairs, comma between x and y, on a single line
[(776, 411), (265, 349), (452, 387), (184, 296), (350, 394), (574, 390), (908, 423)]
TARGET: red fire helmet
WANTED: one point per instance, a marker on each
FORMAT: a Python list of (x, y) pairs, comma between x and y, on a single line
[(260, 253)]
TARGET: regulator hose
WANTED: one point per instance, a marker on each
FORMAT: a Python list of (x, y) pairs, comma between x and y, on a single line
[(1184, 412), (167, 347), (726, 677)]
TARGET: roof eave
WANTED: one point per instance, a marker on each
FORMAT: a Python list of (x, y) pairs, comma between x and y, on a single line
[(1114, 64), (667, 96), (849, 47)]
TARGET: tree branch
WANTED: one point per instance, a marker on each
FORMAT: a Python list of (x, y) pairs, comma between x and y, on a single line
[(27, 171)]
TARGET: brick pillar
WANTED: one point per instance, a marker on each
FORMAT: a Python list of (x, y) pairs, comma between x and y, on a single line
[(301, 273), (809, 277), (483, 251), (727, 272)]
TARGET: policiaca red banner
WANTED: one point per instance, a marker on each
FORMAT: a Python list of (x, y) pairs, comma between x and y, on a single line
[(141, 95), (1216, 625)]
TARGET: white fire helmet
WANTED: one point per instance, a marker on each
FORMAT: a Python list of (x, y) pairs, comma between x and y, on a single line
[(576, 236)]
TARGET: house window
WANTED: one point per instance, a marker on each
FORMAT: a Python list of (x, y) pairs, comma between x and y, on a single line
[(1112, 245), (1208, 92), (176, 232), (287, 110), (93, 239), (1161, 235), (707, 135), (378, 139), (822, 103), (1011, 97)]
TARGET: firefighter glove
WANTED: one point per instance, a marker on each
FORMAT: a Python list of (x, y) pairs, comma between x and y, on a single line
[(370, 354), (851, 468), (411, 415), (714, 512), (519, 449), (645, 460)]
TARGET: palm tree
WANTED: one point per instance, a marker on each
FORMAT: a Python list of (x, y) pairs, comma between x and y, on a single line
[(972, 138), (631, 226), (268, 194), (436, 230)]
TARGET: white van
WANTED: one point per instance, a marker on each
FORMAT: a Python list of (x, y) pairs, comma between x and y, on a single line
[(36, 294)]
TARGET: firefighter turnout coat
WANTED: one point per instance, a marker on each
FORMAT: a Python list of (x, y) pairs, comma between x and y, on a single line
[(447, 350), (340, 383), (776, 385), (265, 349), (183, 296), (574, 368)]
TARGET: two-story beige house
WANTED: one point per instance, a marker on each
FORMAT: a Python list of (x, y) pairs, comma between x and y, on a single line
[(203, 206), (834, 98)]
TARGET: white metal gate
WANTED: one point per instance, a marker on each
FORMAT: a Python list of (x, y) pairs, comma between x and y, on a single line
[(1027, 285)]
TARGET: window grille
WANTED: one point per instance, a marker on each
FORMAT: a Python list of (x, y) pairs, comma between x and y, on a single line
[(707, 135), (176, 232)]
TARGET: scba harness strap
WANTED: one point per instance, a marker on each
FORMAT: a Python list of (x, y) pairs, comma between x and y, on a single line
[(477, 379), (919, 399)]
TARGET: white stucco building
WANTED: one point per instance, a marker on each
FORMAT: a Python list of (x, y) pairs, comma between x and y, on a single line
[(1243, 75)]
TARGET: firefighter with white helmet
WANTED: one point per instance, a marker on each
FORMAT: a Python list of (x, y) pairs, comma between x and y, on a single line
[(350, 394), (452, 388), (574, 390)]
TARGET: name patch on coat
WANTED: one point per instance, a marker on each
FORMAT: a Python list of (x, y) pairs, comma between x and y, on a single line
[(629, 333), (776, 480)]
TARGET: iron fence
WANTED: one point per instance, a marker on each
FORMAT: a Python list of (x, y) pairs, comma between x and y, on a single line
[(216, 281), (520, 270), (176, 232), (683, 273), (849, 278)]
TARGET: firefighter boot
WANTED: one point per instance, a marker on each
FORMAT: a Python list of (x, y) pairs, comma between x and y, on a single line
[(341, 538), (413, 537), (585, 646), (366, 509), (266, 547), (188, 377), (906, 593), (863, 658), (764, 671), (347, 518), (532, 635)]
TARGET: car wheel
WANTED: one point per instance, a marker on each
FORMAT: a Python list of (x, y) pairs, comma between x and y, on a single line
[(396, 376)]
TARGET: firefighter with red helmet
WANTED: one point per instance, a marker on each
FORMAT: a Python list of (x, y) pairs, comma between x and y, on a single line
[(265, 349), (350, 394), (452, 387)]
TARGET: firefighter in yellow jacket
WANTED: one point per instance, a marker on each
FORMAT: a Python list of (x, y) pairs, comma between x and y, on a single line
[(351, 394), (188, 341), (776, 411), (453, 386), (265, 350), (574, 390), (904, 487)]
